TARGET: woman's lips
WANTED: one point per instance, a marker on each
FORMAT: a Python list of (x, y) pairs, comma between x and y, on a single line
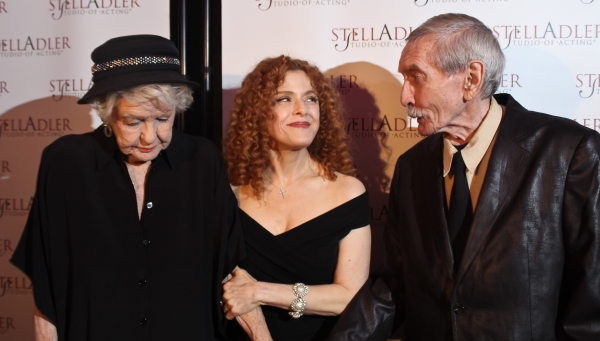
[(299, 124), (146, 150)]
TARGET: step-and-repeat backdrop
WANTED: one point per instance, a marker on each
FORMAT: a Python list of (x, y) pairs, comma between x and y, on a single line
[(552, 50), (45, 67), (553, 66)]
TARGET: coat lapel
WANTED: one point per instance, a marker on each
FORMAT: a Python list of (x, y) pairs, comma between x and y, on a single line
[(428, 198), (503, 174)]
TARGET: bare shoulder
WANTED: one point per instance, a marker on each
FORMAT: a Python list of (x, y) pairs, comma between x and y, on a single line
[(348, 187), (236, 191), (243, 194)]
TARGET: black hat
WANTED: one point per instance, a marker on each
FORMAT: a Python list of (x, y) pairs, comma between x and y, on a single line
[(129, 61)]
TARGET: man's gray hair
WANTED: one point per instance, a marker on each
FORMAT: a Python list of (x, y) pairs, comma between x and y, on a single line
[(164, 96), (459, 39)]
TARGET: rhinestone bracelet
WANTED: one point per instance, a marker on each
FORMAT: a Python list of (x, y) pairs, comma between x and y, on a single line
[(299, 304)]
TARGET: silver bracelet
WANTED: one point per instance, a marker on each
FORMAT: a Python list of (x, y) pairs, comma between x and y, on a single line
[(299, 304)]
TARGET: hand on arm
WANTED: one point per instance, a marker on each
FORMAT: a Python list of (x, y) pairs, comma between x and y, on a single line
[(239, 294), (254, 325), (44, 330), (242, 293)]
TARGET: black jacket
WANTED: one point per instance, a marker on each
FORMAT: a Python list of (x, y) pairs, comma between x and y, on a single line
[(101, 273), (531, 267)]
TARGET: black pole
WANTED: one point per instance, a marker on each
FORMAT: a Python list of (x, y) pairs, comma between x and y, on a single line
[(200, 44), (182, 51), (206, 69), (207, 45)]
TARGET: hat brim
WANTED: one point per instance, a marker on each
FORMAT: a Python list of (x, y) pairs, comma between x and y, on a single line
[(127, 81)]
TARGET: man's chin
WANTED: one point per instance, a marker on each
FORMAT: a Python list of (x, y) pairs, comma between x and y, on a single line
[(425, 129)]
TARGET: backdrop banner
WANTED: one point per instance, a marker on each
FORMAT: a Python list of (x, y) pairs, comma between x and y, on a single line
[(552, 51), (45, 67)]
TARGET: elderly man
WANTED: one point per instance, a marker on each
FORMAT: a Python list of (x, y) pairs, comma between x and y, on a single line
[(494, 229)]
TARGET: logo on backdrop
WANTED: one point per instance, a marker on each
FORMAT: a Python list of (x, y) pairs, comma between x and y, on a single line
[(5, 246), (3, 88), (14, 207), (265, 5), (15, 286), (4, 169), (7, 324), (33, 46), (421, 3), (587, 2), (379, 216), (3, 7), (589, 84), (368, 127), (550, 34), (60, 8), (369, 37), (509, 82), (387, 126), (593, 123), (34, 127), (68, 88), (344, 83)]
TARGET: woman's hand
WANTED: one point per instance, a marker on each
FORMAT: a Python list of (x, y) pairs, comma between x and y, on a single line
[(239, 294), (43, 329)]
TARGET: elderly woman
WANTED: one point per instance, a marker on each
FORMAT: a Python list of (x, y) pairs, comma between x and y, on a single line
[(127, 236), (304, 215)]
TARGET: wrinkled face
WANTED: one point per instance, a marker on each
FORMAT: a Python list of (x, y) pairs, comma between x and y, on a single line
[(296, 113), (435, 99), (142, 131)]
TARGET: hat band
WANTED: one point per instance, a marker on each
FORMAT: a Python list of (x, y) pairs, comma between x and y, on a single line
[(134, 61)]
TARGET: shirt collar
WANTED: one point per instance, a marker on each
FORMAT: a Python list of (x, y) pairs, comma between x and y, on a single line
[(475, 150), (106, 149)]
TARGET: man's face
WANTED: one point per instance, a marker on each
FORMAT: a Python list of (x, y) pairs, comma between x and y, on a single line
[(435, 99)]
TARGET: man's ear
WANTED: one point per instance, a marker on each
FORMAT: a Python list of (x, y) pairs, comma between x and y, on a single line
[(473, 80)]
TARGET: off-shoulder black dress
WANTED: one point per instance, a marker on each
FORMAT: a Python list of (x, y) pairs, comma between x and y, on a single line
[(308, 253)]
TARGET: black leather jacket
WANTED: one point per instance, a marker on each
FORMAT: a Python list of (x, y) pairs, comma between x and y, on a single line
[(531, 267)]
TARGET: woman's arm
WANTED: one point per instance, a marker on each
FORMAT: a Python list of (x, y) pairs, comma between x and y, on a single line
[(243, 293), (44, 330), (254, 324)]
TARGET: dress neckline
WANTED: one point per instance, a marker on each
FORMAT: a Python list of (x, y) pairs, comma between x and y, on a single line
[(312, 220)]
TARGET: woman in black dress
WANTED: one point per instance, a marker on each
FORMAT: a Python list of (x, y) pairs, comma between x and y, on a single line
[(304, 215)]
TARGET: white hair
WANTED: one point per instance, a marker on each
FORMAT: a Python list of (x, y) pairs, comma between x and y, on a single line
[(165, 96), (460, 39)]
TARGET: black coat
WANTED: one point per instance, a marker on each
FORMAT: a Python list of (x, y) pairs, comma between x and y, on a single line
[(531, 266), (101, 273)]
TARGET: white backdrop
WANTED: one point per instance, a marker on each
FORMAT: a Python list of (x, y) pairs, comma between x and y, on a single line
[(45, 67), (552, 49)]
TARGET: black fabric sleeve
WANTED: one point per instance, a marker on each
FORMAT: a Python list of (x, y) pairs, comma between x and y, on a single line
[(31, 253), (579, 307), (393, 274), (228, 240), (354, 214), (43, 251), (363, 211)]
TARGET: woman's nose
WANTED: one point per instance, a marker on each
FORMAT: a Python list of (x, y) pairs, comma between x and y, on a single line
[(148, 133)]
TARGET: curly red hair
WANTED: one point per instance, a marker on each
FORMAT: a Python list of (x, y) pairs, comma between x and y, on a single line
[(248, 142)]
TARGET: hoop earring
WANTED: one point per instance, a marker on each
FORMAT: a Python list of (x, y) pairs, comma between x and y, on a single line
[(107, 130)]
